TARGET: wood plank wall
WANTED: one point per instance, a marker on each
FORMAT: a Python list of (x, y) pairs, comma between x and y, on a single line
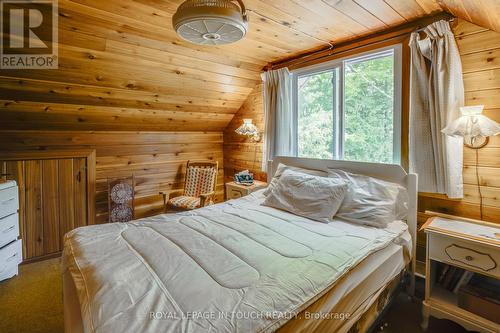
[(52, 201), (480, 53), (241, 152), (157, 159), (122, 68)]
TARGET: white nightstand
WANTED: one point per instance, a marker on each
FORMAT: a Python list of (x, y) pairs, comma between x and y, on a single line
[(235, 191), (468, 245)]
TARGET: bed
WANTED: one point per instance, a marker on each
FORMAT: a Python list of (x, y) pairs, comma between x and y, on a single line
[(238, 267)]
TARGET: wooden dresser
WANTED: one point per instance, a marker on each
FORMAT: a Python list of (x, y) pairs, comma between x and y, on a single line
[(10, 246)]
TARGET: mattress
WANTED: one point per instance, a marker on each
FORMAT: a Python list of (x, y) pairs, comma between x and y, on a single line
[(352, 295), (232, 267)]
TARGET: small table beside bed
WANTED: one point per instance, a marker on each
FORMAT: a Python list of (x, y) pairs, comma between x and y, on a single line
[(245, 265)]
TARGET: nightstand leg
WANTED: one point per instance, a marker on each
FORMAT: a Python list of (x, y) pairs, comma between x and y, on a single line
[(426, 312)]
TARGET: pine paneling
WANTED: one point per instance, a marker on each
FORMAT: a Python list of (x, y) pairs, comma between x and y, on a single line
[(33, 210), (53, 195), (480, 59), (50, 200), (128, 58), (156, 159), (240, 152), (485, 13)]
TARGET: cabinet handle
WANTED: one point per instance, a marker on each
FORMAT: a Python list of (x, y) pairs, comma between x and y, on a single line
[(12, 257)]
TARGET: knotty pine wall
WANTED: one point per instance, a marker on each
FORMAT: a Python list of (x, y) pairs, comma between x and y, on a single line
[(480, 53), (156, 159), (240, 152), (127, 87)]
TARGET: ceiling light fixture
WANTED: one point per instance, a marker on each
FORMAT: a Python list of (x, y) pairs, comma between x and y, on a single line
[(211, 22)]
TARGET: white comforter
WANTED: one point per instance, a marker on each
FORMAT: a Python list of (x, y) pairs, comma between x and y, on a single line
[(232, 267)]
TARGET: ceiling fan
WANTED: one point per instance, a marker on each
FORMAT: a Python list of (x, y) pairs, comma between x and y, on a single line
[(211, 22)]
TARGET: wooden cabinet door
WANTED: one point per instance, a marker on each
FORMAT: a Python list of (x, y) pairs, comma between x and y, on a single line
[(54, 199)]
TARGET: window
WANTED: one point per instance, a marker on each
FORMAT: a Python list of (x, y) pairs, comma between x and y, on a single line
[(350, 108)]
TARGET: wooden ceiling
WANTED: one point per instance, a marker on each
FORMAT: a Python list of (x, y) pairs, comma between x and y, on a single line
[(122, 67)]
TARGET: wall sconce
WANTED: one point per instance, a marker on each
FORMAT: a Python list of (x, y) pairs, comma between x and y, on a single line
[(476, 129), (249, 129)]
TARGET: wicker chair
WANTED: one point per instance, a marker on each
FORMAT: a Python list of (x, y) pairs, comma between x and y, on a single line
[(199, 187)]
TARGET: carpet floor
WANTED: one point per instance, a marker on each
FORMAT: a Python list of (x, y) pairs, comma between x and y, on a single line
[(32, 303)]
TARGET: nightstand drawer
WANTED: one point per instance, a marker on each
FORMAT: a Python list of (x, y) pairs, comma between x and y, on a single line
[(460, 253), (234, 193)]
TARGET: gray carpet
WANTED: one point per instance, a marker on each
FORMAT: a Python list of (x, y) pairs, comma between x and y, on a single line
[(32, 303)]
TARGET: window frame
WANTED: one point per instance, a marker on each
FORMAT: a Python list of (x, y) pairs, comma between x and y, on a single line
[(338, 139)]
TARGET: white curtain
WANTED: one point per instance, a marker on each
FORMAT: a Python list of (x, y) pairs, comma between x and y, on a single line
[(279, 122), (437, 93)]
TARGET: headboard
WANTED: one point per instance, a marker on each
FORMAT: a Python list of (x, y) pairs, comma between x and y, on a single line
[(389, 172)]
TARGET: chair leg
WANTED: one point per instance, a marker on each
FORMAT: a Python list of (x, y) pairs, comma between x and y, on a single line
[(164, 202)]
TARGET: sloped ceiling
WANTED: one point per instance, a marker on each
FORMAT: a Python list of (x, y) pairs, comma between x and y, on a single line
[(485, 13), (122, 67)]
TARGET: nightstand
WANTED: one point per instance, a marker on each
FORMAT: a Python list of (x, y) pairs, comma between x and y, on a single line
[(466, 248), (235, 190)]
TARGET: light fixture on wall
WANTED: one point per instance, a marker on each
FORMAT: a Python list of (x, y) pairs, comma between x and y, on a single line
[(473, 126), (211, 22), (476, 130), (249, 129)]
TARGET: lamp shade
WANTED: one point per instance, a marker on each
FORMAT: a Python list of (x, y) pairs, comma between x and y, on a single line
[(247, 128), (472, 124)]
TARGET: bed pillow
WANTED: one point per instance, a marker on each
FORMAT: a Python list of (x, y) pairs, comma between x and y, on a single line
[(282, 167), (371, 201), (317, 198)]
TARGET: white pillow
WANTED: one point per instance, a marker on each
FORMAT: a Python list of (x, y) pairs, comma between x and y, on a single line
[(371, 201), (282, 167), (314, 197)]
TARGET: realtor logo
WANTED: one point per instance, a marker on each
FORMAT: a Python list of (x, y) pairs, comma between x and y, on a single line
[(28, 34)]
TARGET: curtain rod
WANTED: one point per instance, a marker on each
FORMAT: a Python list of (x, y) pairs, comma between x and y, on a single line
[(451, 19), (406, 28)]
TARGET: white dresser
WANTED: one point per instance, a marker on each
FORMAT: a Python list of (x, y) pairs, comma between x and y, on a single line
[(10, 246)]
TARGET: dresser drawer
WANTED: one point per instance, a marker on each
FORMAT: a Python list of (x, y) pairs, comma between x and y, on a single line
[(460, 253), (9, 229), (8, 271), (9, 202), (10, 255)]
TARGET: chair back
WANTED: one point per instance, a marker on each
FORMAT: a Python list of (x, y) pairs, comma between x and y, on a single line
[(201, 178)]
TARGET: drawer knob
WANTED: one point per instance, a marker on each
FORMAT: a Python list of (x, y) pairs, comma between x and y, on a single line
[(470, 257)]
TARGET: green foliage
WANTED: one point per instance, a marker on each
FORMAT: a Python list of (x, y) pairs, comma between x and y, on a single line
[(315, 123), (368, 108)]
